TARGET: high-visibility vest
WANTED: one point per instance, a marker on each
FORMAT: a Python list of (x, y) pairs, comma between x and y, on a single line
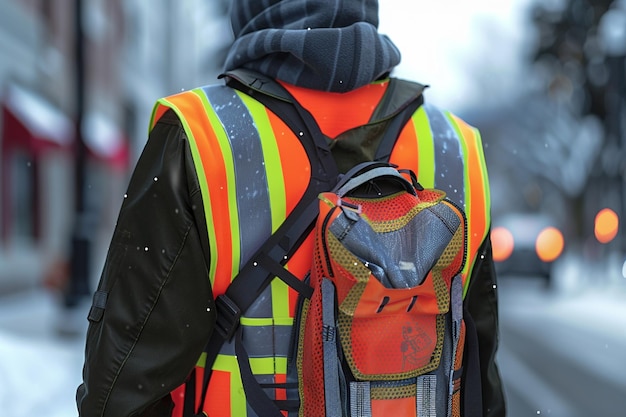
[(253, 170)]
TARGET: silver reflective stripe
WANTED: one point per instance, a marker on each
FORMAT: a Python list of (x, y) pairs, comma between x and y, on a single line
[(262, 306), (265, 341), (360, 399), (449, 164), (426, 396), (331, 361), (253, 204)]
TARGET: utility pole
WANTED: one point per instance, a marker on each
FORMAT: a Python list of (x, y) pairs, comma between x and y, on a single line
[(78, 288), (612, 31)]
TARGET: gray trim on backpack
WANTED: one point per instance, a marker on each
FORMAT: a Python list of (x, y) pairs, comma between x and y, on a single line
[(427, 396), (370, 175), (456, 309), (360, 399), (331, 358)]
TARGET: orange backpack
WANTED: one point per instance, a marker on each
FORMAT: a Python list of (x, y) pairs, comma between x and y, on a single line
[(383, 333)]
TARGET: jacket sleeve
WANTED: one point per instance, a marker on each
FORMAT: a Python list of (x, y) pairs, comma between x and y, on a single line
[(482, 304), (153, 310)]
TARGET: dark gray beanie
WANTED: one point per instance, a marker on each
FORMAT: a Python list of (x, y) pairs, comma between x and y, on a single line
[(329, 45)]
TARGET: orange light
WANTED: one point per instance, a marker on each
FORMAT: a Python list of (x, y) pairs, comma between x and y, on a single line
[(549, 244), (606, 225), (502, 244)]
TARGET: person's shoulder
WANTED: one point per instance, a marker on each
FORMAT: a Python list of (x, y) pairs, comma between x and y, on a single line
[(409, 86), (437, 112), (176, 106), (198, 90)]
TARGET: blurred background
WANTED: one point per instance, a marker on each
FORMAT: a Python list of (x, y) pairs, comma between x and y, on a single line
[(544, 81)]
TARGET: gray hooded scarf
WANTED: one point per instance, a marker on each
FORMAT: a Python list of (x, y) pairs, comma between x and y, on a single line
[(328, 45)]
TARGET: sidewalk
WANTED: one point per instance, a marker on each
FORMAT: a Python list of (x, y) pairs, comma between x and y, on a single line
[(39, 369), (598, 309), (20, 268), (557, 345)]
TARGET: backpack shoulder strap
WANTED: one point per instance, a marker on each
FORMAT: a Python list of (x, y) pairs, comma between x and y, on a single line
[(396, 107), (399, 104), (269, 259), (276, 98), (371, 142), (375, 140)]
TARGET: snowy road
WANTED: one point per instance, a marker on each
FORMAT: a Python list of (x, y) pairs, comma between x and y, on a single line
[(561, 355)]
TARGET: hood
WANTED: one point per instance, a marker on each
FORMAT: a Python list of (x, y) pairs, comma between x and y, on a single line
[(319, 44)]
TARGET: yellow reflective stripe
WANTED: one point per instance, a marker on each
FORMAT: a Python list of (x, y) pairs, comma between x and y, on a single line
[(280, 298), (259, 366), (204, 188), (485, 183), (283, 321), (276, 190), (425, 148), (155, 109), (226, 363), (266, 321), (271, 156), (477, 198), (227, 153), (280, 365), (256, 322), (470, 255), (268, 366), (201, 363)]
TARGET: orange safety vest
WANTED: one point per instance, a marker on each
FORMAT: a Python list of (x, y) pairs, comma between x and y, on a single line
[(253, 170)]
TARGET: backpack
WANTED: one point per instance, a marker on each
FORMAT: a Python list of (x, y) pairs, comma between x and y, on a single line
[(380, 325), (383, 332)]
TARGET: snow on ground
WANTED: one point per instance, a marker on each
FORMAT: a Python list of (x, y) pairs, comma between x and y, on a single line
[(40, 370)]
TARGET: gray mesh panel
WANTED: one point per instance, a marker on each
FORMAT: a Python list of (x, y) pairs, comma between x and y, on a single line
[(402, 258)]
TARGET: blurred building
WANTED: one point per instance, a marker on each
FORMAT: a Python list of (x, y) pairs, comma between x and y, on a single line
[(132, 53)]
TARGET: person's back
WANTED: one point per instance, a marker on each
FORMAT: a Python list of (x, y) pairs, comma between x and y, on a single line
[(221, 172)]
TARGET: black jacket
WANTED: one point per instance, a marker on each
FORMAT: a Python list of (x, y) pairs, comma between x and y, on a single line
[(157, 296)]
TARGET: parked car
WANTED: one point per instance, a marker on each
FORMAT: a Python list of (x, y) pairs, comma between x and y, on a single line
[(526, 244)]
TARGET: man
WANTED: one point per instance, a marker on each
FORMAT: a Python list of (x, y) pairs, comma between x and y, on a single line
[(221, 172)]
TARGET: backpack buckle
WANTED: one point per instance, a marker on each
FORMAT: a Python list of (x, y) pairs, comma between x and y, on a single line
[(228, 314)]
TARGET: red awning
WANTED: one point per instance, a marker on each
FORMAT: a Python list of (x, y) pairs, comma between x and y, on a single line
[(33, 125), (105, 140), (29, 121)]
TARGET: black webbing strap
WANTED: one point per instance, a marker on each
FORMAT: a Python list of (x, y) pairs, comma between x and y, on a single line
[(268, 261), (190, 397), (256, 397), (472, 385), (383, 153)]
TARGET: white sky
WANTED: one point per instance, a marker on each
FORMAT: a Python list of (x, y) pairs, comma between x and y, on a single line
[(445, 43)]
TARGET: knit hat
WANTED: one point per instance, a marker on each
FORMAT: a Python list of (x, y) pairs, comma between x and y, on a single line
[(328, 45)]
